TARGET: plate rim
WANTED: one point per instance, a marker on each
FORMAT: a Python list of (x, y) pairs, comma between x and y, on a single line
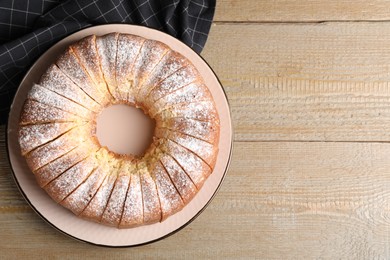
[(231, 144)]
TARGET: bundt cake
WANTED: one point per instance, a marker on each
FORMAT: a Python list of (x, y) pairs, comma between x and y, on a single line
[(57, 133)]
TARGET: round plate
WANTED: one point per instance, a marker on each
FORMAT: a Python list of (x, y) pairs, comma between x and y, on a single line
[(91, 232)]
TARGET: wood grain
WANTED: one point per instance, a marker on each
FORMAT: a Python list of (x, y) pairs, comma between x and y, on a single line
[(311, 82), (279, 200), (301, 10), (310, 174)]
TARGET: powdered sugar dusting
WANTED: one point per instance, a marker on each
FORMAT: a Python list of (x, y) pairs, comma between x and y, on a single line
[(202, 110), (70, 66), (151, 53), (191, 93), (37, 113), (113, 211), (133, 209), (32, 136), (107, 47), (96, 207), (52, 150), (169, 64), (69, 180), (152, 209), (51, 98), (80, 197), (56, 81), (128, 49), (53, 169), (86, 52), (203, 130), (170, 199), (180, 179), (196, 169), (180, 78), (201, 148), (90, 180)]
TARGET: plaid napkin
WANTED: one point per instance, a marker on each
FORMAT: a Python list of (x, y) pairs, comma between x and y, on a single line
[(28, 28)]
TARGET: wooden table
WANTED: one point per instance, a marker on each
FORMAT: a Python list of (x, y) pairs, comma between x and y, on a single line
[(308, 83)]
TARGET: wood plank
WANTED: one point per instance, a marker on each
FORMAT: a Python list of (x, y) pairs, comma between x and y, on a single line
[(11, 199), (301, 10), (312, 82), (279, 200)]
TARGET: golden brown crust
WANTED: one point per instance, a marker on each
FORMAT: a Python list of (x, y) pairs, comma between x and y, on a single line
[(195, 168), (86, 52), (60, 146), (151, 203), (82, 195), (106, 47), (52, 99), (113, 211), (58, 136), (133, 212), (176, 80), (55, 80), (129, 47), (34, 112), (169, 197), (150, 55), (33, 136), (202, 149), (69, 180), (179, 177), (53, 169), (71, 67), (191, 93), (169, 64), (97, 205), (204, 130)]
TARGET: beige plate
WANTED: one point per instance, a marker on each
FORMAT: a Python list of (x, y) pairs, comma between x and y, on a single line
[(64, 220)]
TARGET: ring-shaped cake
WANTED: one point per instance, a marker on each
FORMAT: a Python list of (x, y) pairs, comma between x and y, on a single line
[(57, 133)]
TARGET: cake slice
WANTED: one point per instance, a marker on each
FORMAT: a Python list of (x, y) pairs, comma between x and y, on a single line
[(98, 203), (53, 169), (151, 203), (113, 212), (86, 52), (50, 98), (196, 168), (204, 150), (32, 136), (169, 64), (203, 130), (151, 54), (55, 80), (82, 195), (201, 111), (58, 147), (129, 47), (133, 212), (96, 206), (34, 112), (191, 93), (106, 46), (71, 67), (179, 178), (178, 79), (68, 181), (169, 197)]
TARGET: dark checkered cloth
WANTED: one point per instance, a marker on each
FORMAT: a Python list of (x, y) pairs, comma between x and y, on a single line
[(30, 27)]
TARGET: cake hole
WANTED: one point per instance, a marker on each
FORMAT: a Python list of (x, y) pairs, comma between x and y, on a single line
[(125, 129)]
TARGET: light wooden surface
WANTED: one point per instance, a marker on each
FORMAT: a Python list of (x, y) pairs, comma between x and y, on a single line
[(308, 83)]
